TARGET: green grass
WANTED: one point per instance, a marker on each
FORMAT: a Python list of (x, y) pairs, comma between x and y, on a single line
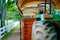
[(7, 34)]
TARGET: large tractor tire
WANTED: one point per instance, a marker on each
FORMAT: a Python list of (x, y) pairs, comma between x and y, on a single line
[(43, 31)]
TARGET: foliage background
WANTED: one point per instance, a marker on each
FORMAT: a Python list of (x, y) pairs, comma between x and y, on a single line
[(12, 10)]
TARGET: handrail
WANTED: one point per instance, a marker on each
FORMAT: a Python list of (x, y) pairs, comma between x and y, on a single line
[(21, 13)]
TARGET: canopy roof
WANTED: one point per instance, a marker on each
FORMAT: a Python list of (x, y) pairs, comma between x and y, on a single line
[(30, 6), (25, 3)]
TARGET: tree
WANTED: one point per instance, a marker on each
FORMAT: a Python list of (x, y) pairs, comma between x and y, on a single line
[(2, 12), (8, 10), (12, 10)]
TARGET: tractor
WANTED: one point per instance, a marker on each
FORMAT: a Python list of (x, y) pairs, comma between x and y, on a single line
[(39, 26)]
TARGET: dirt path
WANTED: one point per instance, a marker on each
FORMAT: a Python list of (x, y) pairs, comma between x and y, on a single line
[(15, 35)]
